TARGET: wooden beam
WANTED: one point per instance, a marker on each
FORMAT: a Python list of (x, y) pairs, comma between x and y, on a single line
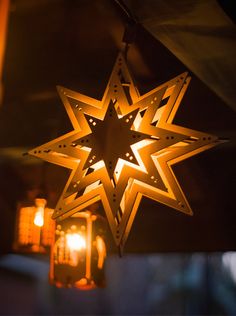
[(4, 7)]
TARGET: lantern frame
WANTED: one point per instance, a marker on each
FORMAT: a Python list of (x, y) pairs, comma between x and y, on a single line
[(83, 266), (31, 237)]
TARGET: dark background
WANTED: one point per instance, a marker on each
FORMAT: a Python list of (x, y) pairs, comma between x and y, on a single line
[(75, 44), (173, 264)]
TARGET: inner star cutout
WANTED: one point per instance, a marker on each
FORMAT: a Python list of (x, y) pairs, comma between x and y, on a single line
[(107, 139), (122, 148)]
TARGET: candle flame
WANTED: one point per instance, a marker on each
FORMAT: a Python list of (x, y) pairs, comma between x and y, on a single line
[(38, 218), (75, 242)]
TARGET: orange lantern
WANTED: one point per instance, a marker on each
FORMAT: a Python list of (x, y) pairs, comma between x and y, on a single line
[(79, 252), (34, 227)]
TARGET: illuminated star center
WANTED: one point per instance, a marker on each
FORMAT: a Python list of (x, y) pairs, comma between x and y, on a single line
[(111, 139)]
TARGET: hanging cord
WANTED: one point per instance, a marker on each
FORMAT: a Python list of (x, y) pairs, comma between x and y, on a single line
[(130, 28), (129, 37), (126, 10)]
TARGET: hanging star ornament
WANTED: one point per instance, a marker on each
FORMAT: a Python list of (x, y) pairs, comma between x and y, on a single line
[(122, 148)]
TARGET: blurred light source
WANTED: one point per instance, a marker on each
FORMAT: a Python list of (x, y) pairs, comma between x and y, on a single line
[(229, 263), (39, 215), (79, 252), (34, 227), (75, 241)]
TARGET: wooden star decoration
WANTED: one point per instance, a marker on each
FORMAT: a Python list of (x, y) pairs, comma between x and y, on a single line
[(122, 148)]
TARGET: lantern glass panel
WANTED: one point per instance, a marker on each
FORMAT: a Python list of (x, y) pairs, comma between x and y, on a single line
[(78, 255), (34, 227)]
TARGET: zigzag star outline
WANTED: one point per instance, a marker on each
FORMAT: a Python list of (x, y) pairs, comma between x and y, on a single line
[(122, 148)]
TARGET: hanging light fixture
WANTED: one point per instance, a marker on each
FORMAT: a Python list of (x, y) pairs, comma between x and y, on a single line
[(135, 157), (79, 251), (34, 227), (123, 147)]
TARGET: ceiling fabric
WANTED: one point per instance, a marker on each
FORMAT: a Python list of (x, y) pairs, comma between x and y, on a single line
[(199, 34)]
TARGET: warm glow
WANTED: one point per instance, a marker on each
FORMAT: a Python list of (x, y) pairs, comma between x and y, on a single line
[(34, 227), (79, 253), (122, 148), (101, 248), (38, 218), (75, 242)]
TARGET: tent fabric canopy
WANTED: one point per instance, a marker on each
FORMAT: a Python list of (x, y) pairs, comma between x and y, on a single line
[(199, 34)]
